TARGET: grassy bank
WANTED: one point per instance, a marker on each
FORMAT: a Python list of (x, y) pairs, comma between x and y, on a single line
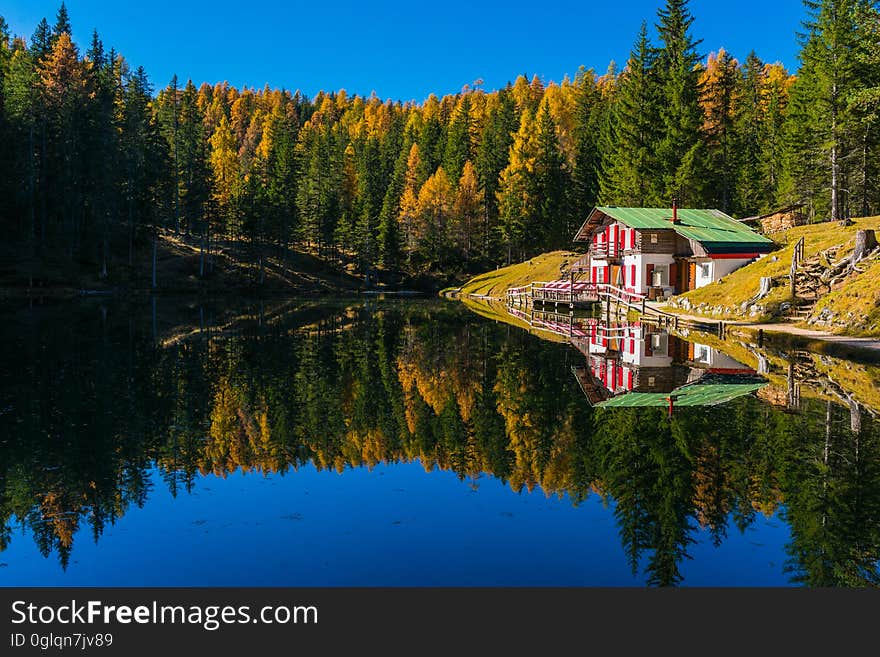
[(851, 309), (494, 284)]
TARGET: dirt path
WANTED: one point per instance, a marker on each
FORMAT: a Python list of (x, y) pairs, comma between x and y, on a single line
[(789, 329), (812, 334)]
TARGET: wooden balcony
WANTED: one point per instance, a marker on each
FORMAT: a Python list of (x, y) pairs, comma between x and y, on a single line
[(606, 252)]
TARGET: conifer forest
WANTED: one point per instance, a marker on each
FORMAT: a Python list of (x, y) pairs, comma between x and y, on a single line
[(100, 162)]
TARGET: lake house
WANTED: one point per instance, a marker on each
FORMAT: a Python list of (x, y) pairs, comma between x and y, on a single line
[(658, 252), (635, 364)]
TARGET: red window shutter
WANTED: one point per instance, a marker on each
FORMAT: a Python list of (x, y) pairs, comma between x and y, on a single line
[(632, 275)]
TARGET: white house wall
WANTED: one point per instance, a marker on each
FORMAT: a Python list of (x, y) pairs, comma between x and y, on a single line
[(715, 269), (718, 269)]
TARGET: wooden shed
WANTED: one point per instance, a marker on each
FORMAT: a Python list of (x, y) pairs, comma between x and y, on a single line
[(778, 220)]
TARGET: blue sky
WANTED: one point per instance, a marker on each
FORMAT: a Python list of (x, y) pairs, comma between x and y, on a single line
[(400, 50)]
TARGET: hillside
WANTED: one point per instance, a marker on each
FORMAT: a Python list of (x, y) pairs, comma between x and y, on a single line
[(230, 268), (852, 308), (494, 284)]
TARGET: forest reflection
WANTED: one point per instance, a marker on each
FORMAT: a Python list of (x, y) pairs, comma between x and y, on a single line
[(100, 404)]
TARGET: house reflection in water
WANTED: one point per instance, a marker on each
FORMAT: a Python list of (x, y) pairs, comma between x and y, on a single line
[(634, 364)]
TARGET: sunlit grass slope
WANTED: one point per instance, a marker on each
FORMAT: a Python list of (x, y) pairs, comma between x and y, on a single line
[(859, 295), (545, 267)]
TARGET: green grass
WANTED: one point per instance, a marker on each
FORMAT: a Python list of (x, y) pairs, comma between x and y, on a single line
[(494, 284), (743, 284), (497, 312), (856, 303)]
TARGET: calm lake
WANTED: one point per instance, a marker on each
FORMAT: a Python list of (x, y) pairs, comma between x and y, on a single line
[(300, 443)]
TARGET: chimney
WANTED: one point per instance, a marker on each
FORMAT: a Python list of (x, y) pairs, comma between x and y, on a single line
[(674, 210)]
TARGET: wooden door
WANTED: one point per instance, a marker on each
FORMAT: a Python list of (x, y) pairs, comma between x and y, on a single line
[(615, 275), (692, 276)]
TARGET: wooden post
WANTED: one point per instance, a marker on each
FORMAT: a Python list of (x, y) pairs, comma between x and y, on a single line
[(796, 257)]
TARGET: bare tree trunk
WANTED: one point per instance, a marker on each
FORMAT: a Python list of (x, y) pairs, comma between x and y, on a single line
[(864, 184), (155, 248), (130, 237), (104, 251), (31, 206), (827, 450), (835, 173), (835, 215), (855, 416)]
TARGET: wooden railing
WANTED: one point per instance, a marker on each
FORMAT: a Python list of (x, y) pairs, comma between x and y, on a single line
[(797, 257), (606, 290), (606, 250), (564, 292), (568, 292)]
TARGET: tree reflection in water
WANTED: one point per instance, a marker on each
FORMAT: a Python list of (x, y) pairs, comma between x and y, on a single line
[(95, 400)]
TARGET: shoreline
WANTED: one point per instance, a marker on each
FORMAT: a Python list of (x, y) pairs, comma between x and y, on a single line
[(819, 340), (789, 329)]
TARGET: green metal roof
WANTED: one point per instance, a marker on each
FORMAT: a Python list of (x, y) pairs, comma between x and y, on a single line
[(697, 394), (717, 231)]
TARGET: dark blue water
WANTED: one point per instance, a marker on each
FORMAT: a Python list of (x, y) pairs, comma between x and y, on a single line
[(393, 525), (289, 448)]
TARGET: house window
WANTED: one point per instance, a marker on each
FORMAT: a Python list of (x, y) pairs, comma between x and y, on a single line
[(706, 270), (658, 344), (653, 238), (660, 276)]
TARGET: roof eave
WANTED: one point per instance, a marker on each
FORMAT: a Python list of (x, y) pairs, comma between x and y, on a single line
[(586, 230)]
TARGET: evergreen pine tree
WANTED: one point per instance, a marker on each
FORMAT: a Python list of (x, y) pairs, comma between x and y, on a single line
[(41, 41), (820, 126), (630, 171), (678, 150), (584, 188), (492, 157), (62, 24), (550, 180)]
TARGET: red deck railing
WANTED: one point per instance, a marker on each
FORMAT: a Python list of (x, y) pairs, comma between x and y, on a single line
[(566, 291)]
